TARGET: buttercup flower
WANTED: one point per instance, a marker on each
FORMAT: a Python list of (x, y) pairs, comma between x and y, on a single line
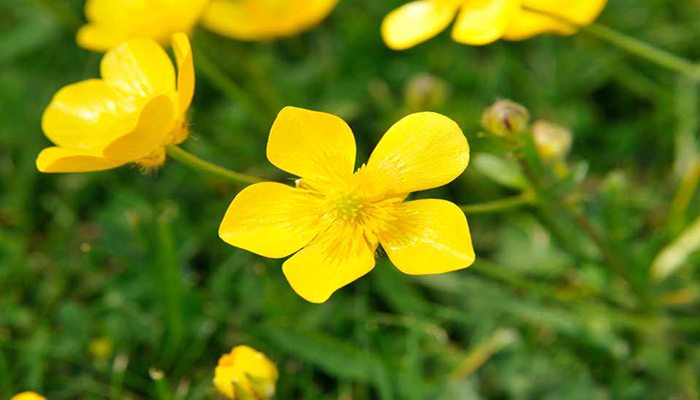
[(245, 370), (265, 19), (480, 22), (335, 219), (113, 22), (129, 116), (28, 396)]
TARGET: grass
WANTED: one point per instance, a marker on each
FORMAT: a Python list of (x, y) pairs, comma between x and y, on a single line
[(133, 260)]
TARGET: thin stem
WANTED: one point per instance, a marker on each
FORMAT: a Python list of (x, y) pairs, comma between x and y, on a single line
[(507, 204), (229, 87), (196, 163), (631, 45)]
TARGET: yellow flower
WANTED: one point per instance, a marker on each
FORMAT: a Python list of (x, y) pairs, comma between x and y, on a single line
[(245, 370), (28, 396), (129, 116), (265, 19), (480, 22), (335, 219), (113, 22)]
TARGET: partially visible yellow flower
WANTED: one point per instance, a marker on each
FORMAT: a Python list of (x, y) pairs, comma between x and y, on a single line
[(480, 22), (129, 116), (113, 22), (334, 219), (248, 370), (257, 20), (28, 396)]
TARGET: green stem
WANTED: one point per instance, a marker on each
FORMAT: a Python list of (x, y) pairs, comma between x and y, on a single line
[(510, 203), (196, 163), (229, 87), (631, 45)]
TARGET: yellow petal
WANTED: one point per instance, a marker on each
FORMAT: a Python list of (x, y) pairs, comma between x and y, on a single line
[(112, 22), (185, 70), (28, 396), (484, 21), (88, 115), (58, 159), (139, 69), (529, 24), (337, 257), (98, 38), (428, 237), (259, 20), (242, 362), (156, 121), (271, 219), (422, 151), (416, 22), (312, 145)]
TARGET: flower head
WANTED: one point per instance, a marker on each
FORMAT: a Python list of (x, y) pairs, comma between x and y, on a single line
[(505, 118), (335, 219), (245, 370), (28, 396), (129, 116), (113, 22), (258, 20), (480, 22)]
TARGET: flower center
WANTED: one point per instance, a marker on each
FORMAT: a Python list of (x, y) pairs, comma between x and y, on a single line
[(346, 206)]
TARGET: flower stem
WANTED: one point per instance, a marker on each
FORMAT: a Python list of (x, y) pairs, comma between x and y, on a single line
[(631, 45), (509, 203), (198, 164)]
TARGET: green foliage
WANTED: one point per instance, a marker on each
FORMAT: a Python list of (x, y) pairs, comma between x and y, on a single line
[(135, 259)]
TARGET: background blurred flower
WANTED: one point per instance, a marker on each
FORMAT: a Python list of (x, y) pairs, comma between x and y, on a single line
[(129, 116), (265, 19), (245, 373), (112, 22), (335, 219), (480, 22)]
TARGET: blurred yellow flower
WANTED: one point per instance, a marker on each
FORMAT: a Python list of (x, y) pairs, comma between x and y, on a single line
[(28, 396), (335, 219), (129, 116), (480, 22), (265, 19), (113, 22), (245, 370)]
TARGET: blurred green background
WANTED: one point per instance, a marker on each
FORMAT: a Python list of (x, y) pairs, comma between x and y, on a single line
[(107, 276)]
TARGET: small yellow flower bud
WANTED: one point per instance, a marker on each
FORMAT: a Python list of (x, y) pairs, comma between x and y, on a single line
[(505, 118), (245, 373), (425, 92), (27, 396), (553, 142), (101, 348)]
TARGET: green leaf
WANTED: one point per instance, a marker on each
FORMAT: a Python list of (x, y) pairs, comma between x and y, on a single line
[(504, 172)]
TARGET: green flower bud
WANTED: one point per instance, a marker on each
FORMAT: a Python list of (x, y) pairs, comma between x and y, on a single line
[(505, 118), (553, 142), (425, 92)]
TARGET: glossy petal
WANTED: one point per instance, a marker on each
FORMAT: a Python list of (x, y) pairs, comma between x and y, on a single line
[(58, 159), (271, 219), (265, 19), (416, 22), (529, 24), (337, 257), (312, 145), (185, 70), (484, 21), (98, 38), (88, 115), (139, 69), (428, 237), (157, 119), (422, 151)]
